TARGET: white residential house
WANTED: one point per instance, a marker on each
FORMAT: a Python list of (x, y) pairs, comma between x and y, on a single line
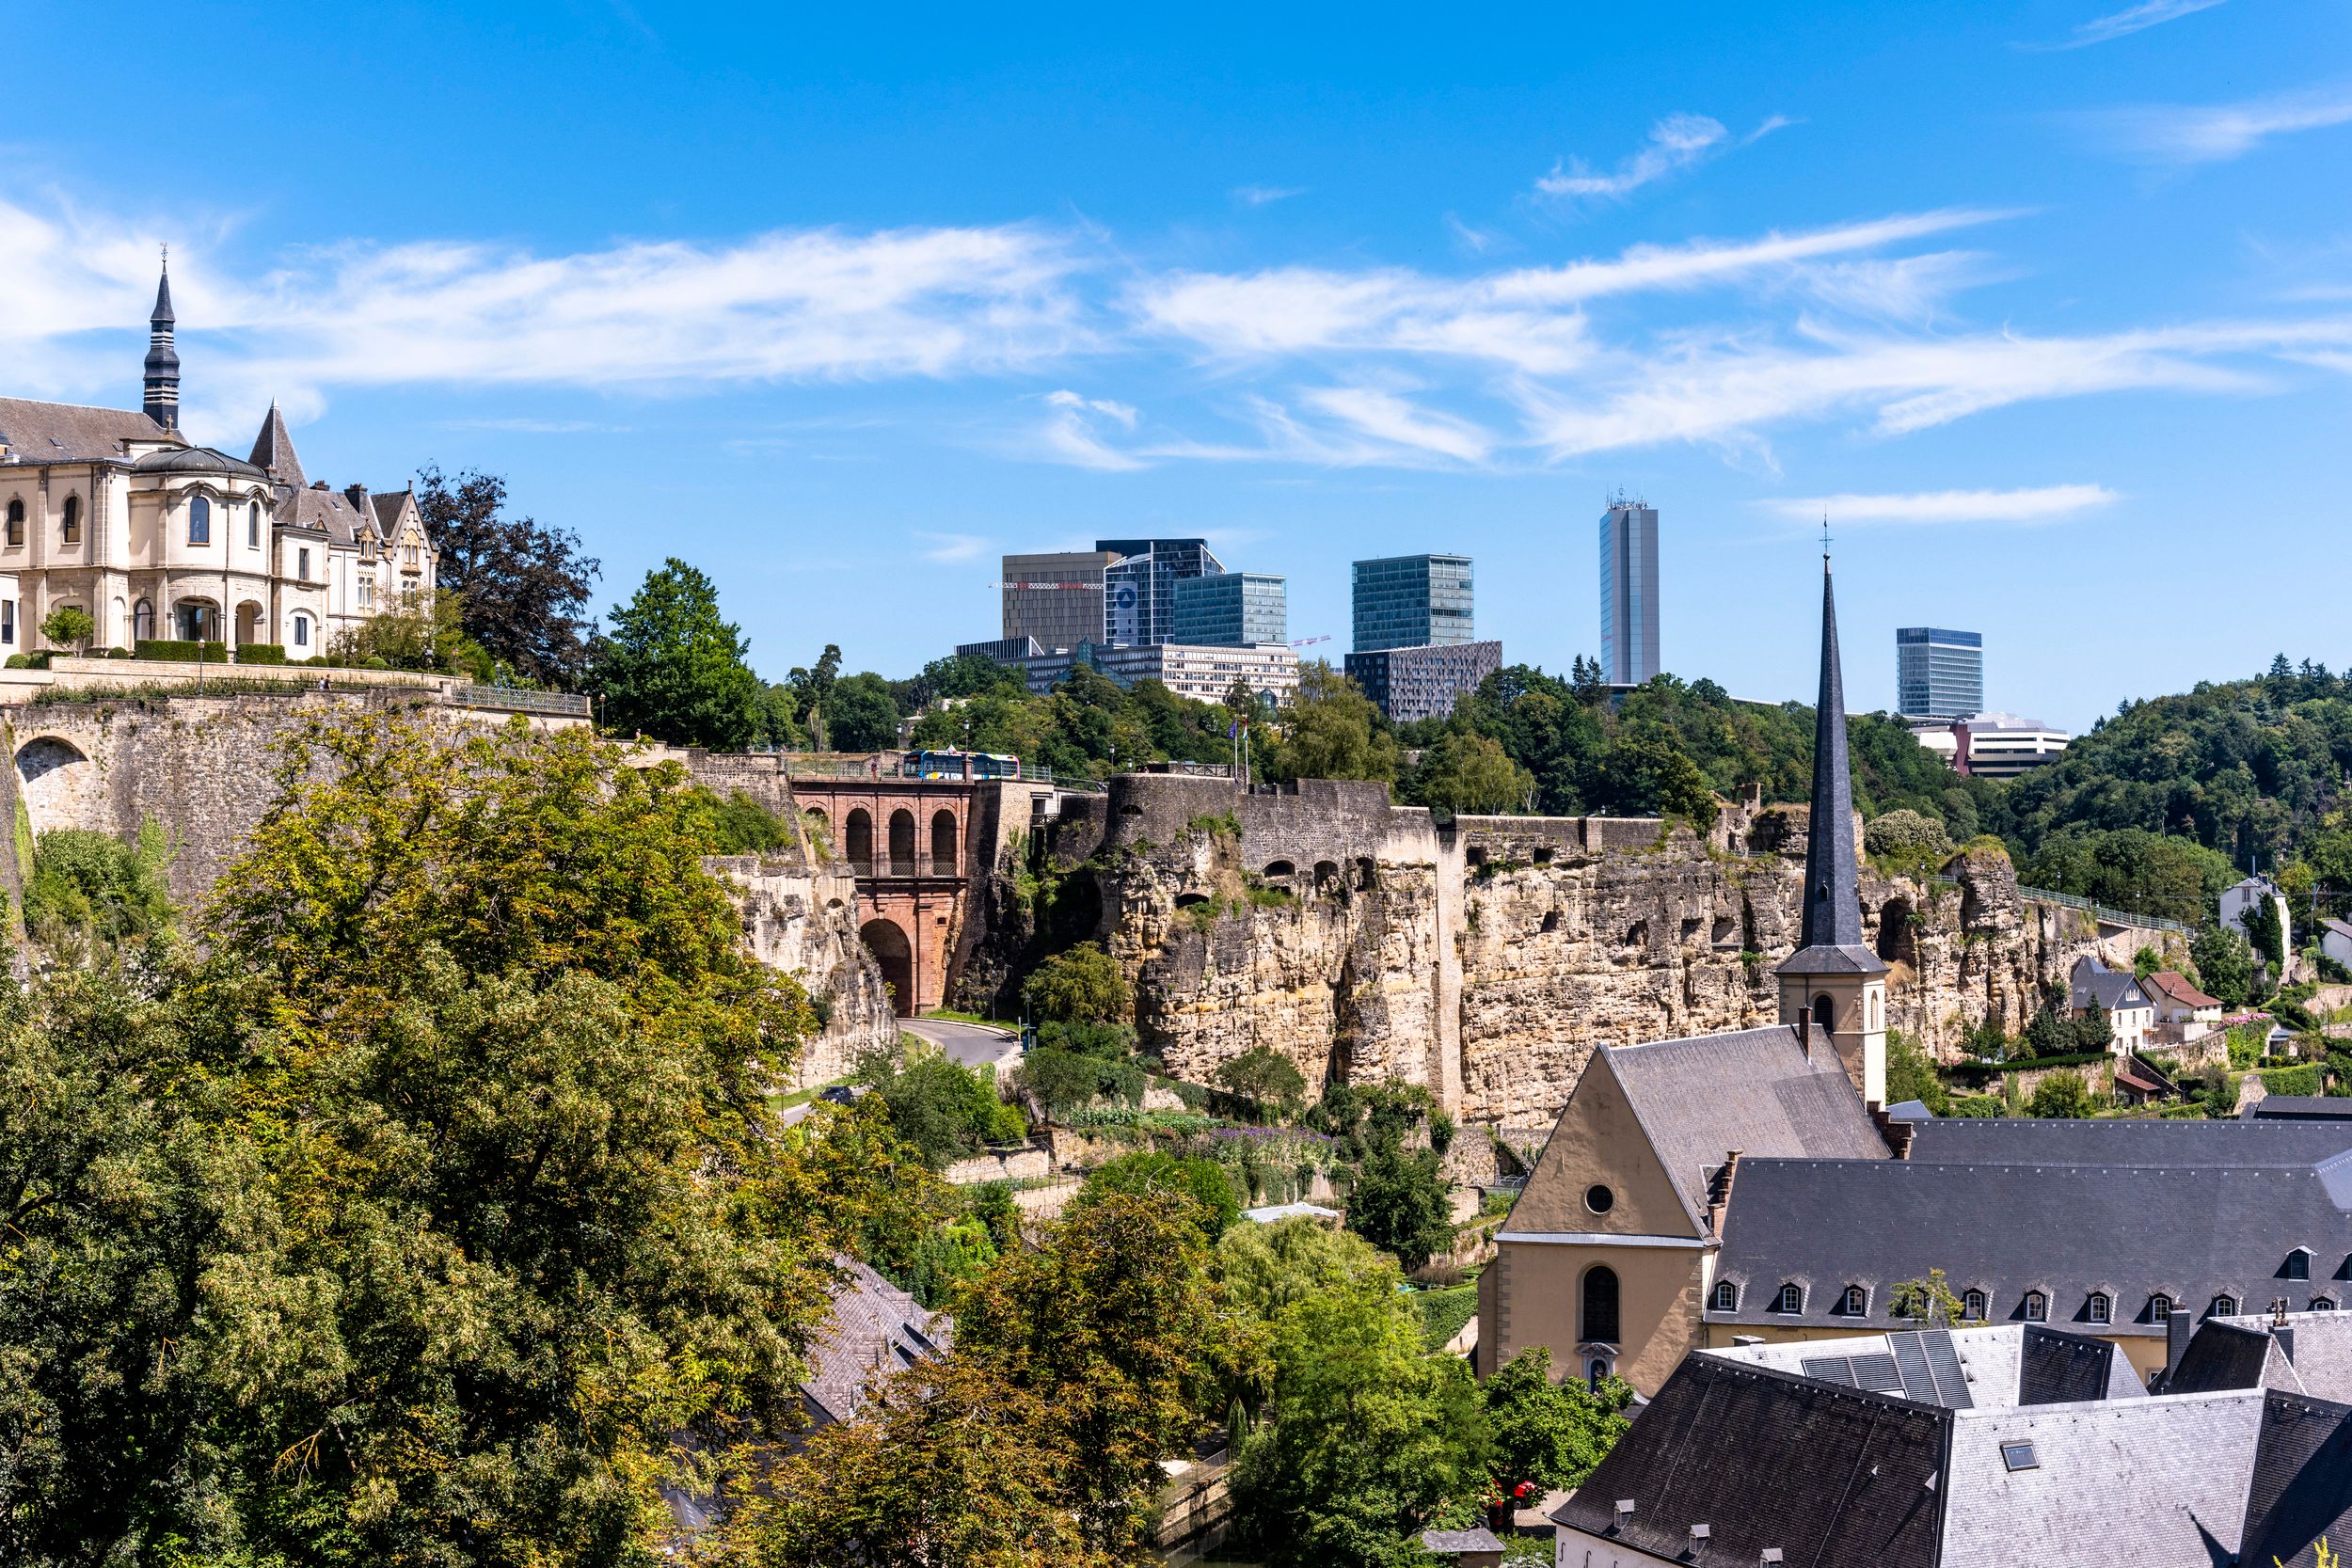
[(2253, 891), (2131, 1013), (2335, 939), (2183, 1013)]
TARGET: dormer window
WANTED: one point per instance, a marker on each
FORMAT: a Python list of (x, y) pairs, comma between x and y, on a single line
[(2037, 1307), (2159, 1308), (199, 521), (70, 530), (2299, 1261), (2224, 1307), (1855, 1303), (1726, 1296), (2321, 1304), (1972, 1306), (1791, 1298), (2099, 1309)]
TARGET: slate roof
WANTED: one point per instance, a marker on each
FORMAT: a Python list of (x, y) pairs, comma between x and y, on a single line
[(2159, 1482), (2301, 1107), (1832, 1476), (875, 1327), (2301, 1487), (1997, 1365), (1750, 1089), (2311, 1353), (328, 511), (2176, 989), (1831, 942), (2011, 1141), (39, 433), (274, 449), (2112, 988), (1453, 1542), (194, 460), (2191, 1232), (2221, 1355)]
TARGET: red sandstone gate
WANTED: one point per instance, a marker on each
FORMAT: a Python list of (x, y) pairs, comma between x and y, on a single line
[(908, 841)]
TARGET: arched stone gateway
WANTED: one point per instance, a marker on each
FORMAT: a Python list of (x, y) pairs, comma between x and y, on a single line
[(891, 950), (58, 783)]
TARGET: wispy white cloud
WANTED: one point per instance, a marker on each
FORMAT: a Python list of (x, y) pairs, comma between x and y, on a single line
[(1265, 196), (1072, 431), (1387, 416), (1676, 143), (947, 548), (2134, 19), (2216, 134), (2045, 503)]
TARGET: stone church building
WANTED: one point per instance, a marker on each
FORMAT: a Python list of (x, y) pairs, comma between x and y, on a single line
[(115, 512)]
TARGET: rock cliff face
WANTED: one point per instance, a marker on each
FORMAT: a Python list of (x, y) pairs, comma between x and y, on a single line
[(1487, 958), (803, 920)]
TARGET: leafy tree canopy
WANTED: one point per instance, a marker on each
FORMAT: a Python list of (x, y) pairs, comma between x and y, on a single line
[(522, 586), (672, 669), (1168, 1177), (1084, 985), (1332, 730), (1550, 1433)]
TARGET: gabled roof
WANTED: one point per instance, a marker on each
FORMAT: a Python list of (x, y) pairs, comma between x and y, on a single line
[(36, 433), (388, 508), (2023, 1141), (1829, 1476), (875, 1327), (2224, 1355), (2112, 988), (1754, 1090), (2283, 1108), (2338, 927), (2301, 1487), (2174, 986), (2065, 1231)]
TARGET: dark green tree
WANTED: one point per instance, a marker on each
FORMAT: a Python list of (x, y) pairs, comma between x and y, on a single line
[(522, 587), (1160, 1177), (672, 668), (1399, 1203), (1550, 1433), (2225, 964), (1332, 730), (2060, 1096), (860, 716), (1466, 773)]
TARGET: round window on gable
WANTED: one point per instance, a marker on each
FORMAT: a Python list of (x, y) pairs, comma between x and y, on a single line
[(1599, 1198)]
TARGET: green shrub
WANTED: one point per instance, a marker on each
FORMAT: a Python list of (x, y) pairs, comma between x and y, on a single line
[(1444, 1312), (1151, 1172), (94, 885), (2302, 1080), (740, 825), (1064, 1082), (1978, 1105), (188, 653), (261, 653), (944, 1109), (18, 661), (2184, 1113)]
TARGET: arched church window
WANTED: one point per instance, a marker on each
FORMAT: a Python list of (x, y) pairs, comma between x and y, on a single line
[(199, 521), (253, 525), (16, 522), (69, 529), (1825, 1014), (142, 622)]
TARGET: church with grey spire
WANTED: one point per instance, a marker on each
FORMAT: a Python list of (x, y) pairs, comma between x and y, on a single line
[(1607, 1257), (116, 512)]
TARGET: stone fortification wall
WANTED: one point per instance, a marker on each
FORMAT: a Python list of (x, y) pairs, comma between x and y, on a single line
[(203, 767), (1487, 958)]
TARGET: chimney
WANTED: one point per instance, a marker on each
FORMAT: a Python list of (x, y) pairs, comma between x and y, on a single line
[(2178, 1329), (1719, 1189), (1804, 1030)]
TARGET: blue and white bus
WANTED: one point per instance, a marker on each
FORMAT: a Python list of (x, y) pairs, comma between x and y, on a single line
[(958, 765)]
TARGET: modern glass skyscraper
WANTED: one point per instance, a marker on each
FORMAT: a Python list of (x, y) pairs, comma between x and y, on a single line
[(1231, 609), (1938, 673), (1140, 589), (1055, 597), (1628, 592), (1412, 601)]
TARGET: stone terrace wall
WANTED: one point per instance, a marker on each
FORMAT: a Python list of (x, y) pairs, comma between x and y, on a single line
[(1486, 959)]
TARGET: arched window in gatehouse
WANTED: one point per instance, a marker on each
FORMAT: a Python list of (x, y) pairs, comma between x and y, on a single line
[(944, 843)]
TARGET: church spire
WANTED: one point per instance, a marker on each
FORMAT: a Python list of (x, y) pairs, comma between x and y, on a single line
[(1833, 898), (162, 401)]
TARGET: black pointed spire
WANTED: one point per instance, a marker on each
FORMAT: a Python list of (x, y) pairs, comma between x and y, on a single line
[(162, 402), (274, 450), (1831, 939)]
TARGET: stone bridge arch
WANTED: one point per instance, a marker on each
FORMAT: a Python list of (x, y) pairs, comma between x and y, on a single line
[(58, 784)]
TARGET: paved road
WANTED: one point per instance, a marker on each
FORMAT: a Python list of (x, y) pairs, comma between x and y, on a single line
[(967, 1044)]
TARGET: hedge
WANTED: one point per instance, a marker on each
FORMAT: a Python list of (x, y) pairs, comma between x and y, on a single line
[(261, 653), (210, 653), (2302, 1080)]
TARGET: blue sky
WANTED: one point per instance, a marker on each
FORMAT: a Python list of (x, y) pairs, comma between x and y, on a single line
[(2049, 305)]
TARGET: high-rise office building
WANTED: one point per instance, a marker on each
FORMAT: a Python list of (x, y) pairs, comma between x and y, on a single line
[(1231, 609), (1407, 683), (1140, 586), (1628, 592), (1412, 601), (1055, 598), (1938, 673)]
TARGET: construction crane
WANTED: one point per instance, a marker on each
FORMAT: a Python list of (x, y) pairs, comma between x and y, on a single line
[(1311, 642), (1074, 587)]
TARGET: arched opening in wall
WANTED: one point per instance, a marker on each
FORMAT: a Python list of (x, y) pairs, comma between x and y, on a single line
[(1542, 855), (1725, 932), (249, 623), (1474, 856), (1280, 868), (142, 622), (942, 844), (1326, 874), (890, 949), (1895, 945), (1367, 874), (54, 774), (858, 838), (1638, 934), (196, 621), (1191, 900), (903, 842), (1551, 921), (1825, 1013), (1598, 1321)]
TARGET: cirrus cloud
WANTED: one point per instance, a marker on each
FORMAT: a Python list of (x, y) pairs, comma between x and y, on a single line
[(2045, 503)]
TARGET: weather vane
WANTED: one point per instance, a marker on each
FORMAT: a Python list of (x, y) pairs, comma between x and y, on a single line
[(1824, 536)]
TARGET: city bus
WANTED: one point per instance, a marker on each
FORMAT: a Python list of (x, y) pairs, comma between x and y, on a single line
[(958, 765)]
